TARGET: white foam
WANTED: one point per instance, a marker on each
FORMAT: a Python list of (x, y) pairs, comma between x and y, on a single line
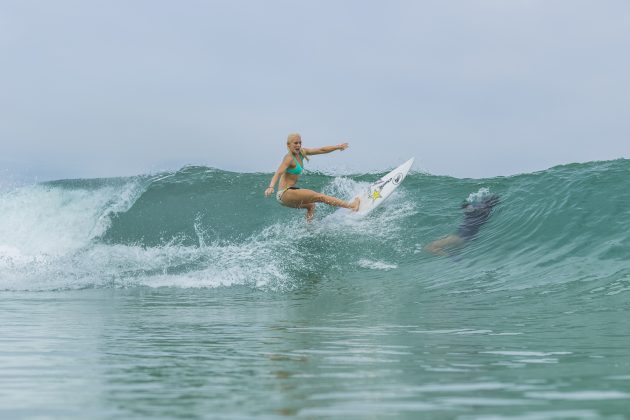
[(42, 221), (478, 196), (376, 265), (262, 261), (55, 247)]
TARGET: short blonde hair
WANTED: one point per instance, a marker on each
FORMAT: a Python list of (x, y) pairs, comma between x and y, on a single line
[(293, 136)]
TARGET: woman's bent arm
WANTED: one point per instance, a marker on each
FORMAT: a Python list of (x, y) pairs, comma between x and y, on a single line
[(283, 167)]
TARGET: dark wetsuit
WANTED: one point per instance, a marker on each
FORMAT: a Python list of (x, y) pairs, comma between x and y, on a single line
[(475, 215)]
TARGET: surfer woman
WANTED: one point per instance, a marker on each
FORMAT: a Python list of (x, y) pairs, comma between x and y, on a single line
[(288, 173)]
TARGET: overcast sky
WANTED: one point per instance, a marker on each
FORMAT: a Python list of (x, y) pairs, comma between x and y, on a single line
[(471, 88)]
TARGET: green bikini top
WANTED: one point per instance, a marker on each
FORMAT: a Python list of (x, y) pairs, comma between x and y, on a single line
[(298, 168)]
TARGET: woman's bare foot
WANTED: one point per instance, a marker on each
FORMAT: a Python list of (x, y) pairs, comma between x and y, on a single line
[(354, 206)]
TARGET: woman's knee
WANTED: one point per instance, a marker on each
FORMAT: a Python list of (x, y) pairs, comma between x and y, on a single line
[(319, 197)]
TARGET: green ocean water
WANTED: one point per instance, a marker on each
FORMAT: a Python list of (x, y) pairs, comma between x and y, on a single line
[(190, 295)]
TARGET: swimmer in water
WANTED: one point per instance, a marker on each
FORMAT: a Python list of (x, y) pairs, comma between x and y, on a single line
[(289, 172), (475, 216)]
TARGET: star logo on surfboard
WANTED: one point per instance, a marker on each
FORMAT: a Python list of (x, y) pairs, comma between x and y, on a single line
[(378, 187)]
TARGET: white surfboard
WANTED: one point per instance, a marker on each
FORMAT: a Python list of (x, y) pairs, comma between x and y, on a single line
[(378, 192)]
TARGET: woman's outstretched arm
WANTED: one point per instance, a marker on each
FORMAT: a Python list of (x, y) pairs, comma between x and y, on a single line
[(325, 149)]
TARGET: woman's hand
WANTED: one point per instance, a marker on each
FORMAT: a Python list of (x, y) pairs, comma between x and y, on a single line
[(343, 146), (268, 191)]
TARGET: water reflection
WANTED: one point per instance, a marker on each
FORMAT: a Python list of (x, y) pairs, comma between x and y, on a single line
[(331, 349)]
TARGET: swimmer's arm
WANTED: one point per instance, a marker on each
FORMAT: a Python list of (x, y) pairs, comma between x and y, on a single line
[(325, 149), (281, 169)]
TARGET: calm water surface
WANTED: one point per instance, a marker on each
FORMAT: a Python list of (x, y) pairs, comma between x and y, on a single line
[(359, 349)]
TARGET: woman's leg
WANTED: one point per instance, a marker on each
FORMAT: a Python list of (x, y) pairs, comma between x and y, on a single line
[(304, 198), (310, 212)]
